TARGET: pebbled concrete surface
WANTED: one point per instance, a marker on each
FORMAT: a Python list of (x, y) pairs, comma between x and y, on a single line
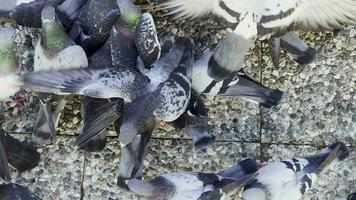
[(319, 108)]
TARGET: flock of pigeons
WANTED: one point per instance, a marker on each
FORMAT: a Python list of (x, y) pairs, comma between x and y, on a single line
[(108, 52)]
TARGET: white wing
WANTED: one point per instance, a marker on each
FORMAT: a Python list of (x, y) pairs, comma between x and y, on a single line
[(229, 9), (319, 15)]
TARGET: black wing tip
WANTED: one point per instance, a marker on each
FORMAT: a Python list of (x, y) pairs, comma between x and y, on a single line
[(121, 183), (204, 142), (343, 149), (94, 145), (308, 57), (275, 98), (248, 166)]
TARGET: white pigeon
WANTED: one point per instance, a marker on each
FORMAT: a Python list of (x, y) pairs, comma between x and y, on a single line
[(290, 179)]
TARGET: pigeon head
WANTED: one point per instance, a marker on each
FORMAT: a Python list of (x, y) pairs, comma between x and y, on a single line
[(53, 35), (48, 14), (130, 14), (8, 61)]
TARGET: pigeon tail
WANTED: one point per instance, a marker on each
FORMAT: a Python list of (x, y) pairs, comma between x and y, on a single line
[(297, 48), (252, 90), (97, 115), (44, 129)]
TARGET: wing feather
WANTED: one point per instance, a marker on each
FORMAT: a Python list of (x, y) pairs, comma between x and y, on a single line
[(321, 15)]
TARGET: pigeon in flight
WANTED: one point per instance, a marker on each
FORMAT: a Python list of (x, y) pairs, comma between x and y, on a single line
[(16, 153), (261, 19), (97, 114), (28, 12), (55, 50), (198, 185), (195, 122), (16, 192), (241, 84), (290, 179), (296, 48), (9, 66), (93, 25)]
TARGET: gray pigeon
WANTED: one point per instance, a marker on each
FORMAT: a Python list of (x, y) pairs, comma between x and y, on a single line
[(171, 97), (119, 51), (198, 185), (28, 12), (241, 84), (9, 64), (165, 96), (290, 179), (93, 25), (134, 34), (55, 50), (261, 19), (16, 192), (296, 48), (195, 122), (16, 153)]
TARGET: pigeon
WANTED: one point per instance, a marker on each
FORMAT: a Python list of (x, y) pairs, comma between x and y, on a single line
[(241, 84), (261, 19), (9, 64), (16, 153), (165, 97), (119, 51), (195, 122), (132, 156), (352, 196), (55, 50), (28, 12), (16, 192), (134, 34), (296, 48), (196, 185), (172, 94), (290, 179), (93, 25)]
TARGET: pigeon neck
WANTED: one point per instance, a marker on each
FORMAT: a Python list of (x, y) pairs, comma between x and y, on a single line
[(8, 61), (53, 36)]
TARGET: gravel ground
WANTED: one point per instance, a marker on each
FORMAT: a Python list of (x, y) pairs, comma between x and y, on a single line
[(319, 108)]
